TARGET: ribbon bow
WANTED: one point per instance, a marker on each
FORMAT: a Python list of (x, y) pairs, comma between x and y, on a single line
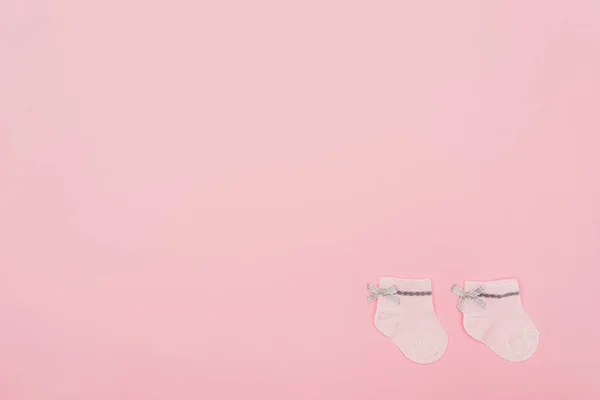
[(390, 293), (471, 295)]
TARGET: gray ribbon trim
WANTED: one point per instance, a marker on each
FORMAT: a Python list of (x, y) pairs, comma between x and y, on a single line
[(499, 296), (423, 293), (390, 293), (472, 295)]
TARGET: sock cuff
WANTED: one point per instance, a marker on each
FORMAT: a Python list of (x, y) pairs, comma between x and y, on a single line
[(406, 285), (495, 287)]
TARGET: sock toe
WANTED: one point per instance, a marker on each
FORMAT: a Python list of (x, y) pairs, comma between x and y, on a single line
[(516, 341), (423, 345)]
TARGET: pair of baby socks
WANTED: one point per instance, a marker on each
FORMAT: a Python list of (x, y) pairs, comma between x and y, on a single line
[(492, 314)]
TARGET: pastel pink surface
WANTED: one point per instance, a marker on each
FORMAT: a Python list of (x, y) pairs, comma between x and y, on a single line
[(194, 194)]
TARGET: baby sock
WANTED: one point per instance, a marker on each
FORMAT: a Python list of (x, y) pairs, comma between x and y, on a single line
[(405, 314), (493, 314)]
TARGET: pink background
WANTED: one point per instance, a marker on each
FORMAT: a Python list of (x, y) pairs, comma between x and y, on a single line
[(195, 193)]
